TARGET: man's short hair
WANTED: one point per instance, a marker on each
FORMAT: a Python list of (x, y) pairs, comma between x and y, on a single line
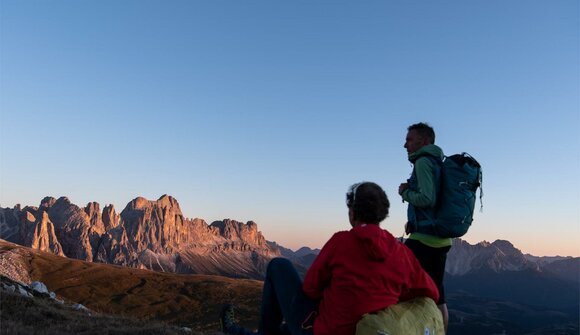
[(368, 202), (424, 130)]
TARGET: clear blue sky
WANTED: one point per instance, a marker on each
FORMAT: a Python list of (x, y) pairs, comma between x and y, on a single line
[(269, 110)]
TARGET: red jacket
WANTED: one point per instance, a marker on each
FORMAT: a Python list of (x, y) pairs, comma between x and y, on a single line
[(360, 271)]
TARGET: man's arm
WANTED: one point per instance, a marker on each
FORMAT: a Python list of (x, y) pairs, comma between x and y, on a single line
[(425, 194)]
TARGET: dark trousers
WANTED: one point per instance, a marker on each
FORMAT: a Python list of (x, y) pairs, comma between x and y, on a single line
[(433, 261), (285, 309)]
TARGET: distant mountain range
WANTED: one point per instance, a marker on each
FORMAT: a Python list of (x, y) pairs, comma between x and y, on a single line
[(518, 293), (147, 234), (463, 259), (155, 235), (493, 288)]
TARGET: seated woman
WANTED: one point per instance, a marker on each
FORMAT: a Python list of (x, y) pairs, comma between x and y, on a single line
[(359, 271)]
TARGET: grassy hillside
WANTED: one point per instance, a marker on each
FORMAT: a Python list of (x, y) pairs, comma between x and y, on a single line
[(192, 301), (20, 315)]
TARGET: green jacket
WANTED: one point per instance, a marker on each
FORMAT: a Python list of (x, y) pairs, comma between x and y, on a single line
[(422, 192)]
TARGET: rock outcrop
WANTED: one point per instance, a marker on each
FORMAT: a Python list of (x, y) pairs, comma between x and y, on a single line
[(110, 217), (42, 236), (156, 235), (10, 224), (14, 263), (95, 217), (73, 229), (29, 226), (46, 203)]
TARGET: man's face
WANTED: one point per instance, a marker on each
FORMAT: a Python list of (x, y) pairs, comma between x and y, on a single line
[(414, 141)]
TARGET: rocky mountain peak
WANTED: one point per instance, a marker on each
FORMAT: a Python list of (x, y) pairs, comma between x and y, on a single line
[(110, 217), (483, 244), (498, 256), (504, 245), (146, 234), (72, 226), (168, 201), (92, 207), (164, 203), (63, 201), (237, 231), (42, 236), (93, 210), (138, 203), (47, 202), (306, 251)]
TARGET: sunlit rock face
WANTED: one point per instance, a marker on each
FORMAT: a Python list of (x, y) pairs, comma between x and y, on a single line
[(146, 234)]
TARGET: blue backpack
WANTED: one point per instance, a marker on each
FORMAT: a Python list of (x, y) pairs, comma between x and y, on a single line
[(459, 180)]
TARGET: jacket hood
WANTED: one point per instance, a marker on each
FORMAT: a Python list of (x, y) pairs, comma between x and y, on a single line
[(429, 149), (374, 239)]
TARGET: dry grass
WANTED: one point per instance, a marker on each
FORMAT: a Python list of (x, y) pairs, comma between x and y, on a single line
[(21, 315), (192, 301)]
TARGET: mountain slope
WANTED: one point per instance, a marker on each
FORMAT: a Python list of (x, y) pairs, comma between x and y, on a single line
[(188, 300), (26, 312)]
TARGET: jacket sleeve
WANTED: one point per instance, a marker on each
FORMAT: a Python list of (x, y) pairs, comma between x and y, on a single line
[(420, 283), (318, 275), (425, 194)]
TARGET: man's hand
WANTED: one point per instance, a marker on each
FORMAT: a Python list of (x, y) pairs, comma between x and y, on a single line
[(403, 187), (408, 228)]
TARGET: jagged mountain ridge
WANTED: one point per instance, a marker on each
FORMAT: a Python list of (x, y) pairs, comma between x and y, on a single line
[(155, 235), (146, 234), (502, 256), (497, 257)]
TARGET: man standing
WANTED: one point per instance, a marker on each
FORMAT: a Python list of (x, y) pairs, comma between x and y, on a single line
[(420, 191)]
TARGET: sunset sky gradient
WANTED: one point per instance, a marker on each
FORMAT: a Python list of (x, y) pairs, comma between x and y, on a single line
[(270, 110)]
